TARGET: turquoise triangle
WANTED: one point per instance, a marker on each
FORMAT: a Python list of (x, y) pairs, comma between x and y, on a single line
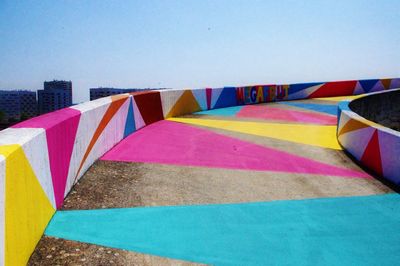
[(333, 231)]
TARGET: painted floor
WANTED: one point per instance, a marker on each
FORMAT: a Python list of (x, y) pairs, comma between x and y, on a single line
[(252, 185)]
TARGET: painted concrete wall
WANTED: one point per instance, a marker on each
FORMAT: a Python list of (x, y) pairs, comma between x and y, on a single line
[(42, 158), (381, 108), (375, 146)]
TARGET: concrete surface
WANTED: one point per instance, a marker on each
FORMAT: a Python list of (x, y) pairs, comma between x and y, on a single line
[(113, 184)]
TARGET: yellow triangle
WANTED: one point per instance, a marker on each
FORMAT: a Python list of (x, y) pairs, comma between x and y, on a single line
[(321, 136), (339, 98), (27, 208), (186, 104)]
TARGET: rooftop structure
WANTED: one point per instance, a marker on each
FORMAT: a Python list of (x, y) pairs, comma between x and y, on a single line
[(96, 93), (16, 105), (189, 172), (57, 94)]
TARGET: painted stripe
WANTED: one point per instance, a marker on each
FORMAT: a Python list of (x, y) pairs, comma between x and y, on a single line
[(2, 207), (34, 144), (322, 108), (201, 98), (228, 111), (27, 208), (339, 98), (272, 113), (315, 135), (116, 103), (329, 231), (175, 143)]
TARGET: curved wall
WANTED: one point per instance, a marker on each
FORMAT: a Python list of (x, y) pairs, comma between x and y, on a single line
[(42, 158), (374, 145), (381, 108)]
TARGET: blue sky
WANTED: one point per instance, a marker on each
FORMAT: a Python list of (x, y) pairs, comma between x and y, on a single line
[(195, 43)]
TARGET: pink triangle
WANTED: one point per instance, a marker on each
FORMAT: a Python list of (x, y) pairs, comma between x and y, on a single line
[(61, 127), (174, 143), (139, 122), (273, 113)]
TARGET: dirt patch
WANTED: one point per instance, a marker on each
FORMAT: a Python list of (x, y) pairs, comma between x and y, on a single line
[(54, 251), (121, 185)]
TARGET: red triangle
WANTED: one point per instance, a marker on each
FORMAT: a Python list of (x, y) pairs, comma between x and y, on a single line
[(336, 88), (372, 154), (208, 93), (149, 105)]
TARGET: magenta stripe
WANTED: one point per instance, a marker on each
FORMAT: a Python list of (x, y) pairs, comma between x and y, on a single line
[(169, 142)]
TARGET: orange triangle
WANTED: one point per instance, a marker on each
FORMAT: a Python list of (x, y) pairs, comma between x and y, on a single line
[(186, 104), (116, 102), (386, 83), (351, 125)]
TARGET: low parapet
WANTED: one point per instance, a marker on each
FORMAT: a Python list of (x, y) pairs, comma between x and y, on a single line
[(368, 130), (42, 158)]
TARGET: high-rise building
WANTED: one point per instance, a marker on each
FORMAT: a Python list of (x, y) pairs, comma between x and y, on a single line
[(57, 94), (96, 93), (16, 105)]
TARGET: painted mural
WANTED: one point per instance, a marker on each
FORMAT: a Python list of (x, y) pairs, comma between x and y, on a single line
[(373, 145), (42, 158)]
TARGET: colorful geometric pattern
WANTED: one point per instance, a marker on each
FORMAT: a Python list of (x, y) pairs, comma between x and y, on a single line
[(315, 135), (374, 146), (42, 158), (263, 233), (266, 112), (190, 146), (330, 109)]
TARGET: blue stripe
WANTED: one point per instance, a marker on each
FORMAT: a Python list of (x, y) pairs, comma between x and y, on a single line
[(322, 108), (332, 231), (228, 111)]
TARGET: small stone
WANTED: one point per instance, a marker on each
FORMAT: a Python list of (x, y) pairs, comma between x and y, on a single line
[(62, 251), (53, 248), (77, 249), (116, 254), (49, 256), (97, 256), (66, 255), (108, 252), (83, 259), (101, 249), (111, 261)]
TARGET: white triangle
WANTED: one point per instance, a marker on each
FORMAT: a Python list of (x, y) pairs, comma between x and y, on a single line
[(139, 122), (344, 118), (34, 144), (169, 99), (305, 93), (92, 113)]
